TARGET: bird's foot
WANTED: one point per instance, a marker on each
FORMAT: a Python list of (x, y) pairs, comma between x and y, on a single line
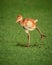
[(42, 36), (28, 45)]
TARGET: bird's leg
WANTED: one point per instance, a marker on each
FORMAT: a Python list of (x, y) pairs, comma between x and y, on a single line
[(42, 35), (28, 38)]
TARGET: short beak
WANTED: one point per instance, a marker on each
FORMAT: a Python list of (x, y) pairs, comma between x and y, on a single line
[(16, 21)]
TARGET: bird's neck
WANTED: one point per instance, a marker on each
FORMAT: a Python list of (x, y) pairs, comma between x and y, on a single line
[(21, 22)]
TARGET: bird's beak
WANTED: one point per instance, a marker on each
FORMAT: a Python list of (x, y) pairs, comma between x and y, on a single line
[(16, 21)]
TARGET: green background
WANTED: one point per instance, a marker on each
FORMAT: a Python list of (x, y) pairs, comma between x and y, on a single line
[(11, 33)]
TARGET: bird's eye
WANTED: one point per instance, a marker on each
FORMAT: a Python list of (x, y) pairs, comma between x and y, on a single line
[(18, 18)]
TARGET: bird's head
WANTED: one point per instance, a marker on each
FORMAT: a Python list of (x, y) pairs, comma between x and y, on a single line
[(19, 18)]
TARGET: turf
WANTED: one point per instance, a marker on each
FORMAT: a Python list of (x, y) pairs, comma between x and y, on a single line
[(40, 52)]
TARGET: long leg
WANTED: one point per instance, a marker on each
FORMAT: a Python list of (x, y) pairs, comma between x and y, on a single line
[(28, 37), (38, 29)]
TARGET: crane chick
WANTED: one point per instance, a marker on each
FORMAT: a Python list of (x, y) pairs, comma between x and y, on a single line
[(29, 25)]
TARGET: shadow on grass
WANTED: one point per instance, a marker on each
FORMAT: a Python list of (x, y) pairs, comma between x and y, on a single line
[(23, 45)]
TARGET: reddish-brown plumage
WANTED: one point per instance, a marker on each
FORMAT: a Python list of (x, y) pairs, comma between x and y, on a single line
[(27, 23)]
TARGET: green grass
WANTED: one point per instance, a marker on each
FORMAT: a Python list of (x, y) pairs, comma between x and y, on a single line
[(12, 33)]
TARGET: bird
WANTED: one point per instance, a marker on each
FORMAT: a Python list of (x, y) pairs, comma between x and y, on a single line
[(29, 24)]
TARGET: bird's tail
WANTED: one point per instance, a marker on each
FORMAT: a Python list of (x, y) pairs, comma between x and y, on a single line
[(36, 20)]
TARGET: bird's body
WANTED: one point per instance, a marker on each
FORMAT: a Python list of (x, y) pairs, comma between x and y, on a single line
[(29, 25)]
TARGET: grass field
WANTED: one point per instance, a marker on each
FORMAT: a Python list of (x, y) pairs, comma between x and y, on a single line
[(11, 33)]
